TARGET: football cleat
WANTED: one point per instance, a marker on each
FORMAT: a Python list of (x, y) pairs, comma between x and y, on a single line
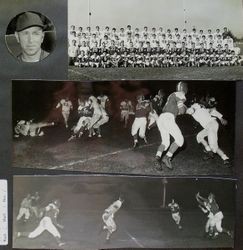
[(167, 161)]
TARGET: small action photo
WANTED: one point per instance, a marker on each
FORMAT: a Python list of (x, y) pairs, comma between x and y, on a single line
[(105, 212), (176, 39), (128, 127)]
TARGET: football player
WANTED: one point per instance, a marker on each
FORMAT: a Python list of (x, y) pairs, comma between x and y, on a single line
[(66, 107), (167, 125), (47, 223), (25, 208), (108, 217), (207, 119), (126, 108), (175, 213), (140, 122)]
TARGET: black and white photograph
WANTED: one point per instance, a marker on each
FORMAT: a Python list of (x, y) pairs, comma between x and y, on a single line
[(140, 39), (128, 127), (103, 212), (30, 37)]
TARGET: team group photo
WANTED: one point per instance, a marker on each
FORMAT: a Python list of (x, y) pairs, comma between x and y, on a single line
[(132, 127), (160, 40), (93, 212)]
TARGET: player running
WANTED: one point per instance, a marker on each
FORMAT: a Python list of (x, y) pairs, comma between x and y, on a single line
[(66, 106), (108, 217), (140, 122), (126, 108), (167, 125), (175, 213), (207, 118), (47, 223), (215, 216)]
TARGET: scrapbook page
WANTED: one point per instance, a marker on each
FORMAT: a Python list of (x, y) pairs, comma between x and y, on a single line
[(121, 124)]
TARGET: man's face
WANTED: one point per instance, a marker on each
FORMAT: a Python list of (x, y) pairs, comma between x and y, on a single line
[(30, 40)]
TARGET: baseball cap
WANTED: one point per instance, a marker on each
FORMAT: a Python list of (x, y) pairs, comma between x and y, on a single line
[(27, 20)]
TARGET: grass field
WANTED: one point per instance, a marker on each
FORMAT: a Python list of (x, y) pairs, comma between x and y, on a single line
[(114, 152), (141, 222)]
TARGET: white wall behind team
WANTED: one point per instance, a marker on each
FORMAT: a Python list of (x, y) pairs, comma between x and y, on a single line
[(166, 13)]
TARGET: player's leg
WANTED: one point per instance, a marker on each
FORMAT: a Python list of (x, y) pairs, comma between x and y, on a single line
[(21, 213), (65, 117), (126, 117), (142, 129), (134, 131), (175, 132), (165, 141), (38, 231), (54, 232)]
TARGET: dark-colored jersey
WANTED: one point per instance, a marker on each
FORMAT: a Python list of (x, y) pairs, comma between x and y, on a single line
[(174, 208), (142, 109), (174, 102)]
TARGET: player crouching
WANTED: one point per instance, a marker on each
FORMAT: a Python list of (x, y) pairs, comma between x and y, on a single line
[(206, 117), (108, 217)]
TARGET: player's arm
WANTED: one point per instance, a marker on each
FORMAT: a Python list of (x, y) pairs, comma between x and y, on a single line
[(218, 115), (58, 105)]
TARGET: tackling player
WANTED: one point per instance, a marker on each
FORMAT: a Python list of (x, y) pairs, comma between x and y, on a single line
[(108, 217), (47, 223), (207, 119)]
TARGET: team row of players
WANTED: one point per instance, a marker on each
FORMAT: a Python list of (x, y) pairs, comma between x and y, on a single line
[(167, 58), (47, 216), (159, 34), (93, 114)]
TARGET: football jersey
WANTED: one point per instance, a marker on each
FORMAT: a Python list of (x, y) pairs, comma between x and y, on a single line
[(103, 99), (142, 109), (114, 207), (174, 207), (51, 211), (174, 100)]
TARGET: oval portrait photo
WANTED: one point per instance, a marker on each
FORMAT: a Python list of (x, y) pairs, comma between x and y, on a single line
[(30, 37)]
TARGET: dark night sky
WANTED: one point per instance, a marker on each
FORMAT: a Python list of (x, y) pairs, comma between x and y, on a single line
[(37, 99)]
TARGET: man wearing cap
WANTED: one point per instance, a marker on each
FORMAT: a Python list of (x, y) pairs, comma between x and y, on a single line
[(30, 35)]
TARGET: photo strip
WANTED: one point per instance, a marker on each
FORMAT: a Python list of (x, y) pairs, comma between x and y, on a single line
[(177, 39), (128, 127), (98, 212)]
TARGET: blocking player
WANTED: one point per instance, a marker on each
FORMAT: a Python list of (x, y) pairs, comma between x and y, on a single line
[(207, 118), (167, 125), (140, 122), (175, 213), (108, 217), (126, 108), (66, 106), (47, 223), (215, 215)]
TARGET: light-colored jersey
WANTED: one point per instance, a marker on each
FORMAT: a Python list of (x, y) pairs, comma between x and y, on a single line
[(174, 207), (65, 105), (203, 115), (26, 203), (174, 102), (114, 207)]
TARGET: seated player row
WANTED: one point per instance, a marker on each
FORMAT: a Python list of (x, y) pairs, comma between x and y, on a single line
[(151, 58)]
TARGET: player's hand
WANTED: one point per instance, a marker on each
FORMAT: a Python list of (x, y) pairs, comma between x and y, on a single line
[(223, 121), (60, 226)]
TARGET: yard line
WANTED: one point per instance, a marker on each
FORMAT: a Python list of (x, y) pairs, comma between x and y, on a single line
[(99, 156), (134, 239), (72, 163)]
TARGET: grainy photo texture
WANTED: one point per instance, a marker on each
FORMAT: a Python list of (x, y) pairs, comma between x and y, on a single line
[(160, 40), (101, 212), (132, 127)]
